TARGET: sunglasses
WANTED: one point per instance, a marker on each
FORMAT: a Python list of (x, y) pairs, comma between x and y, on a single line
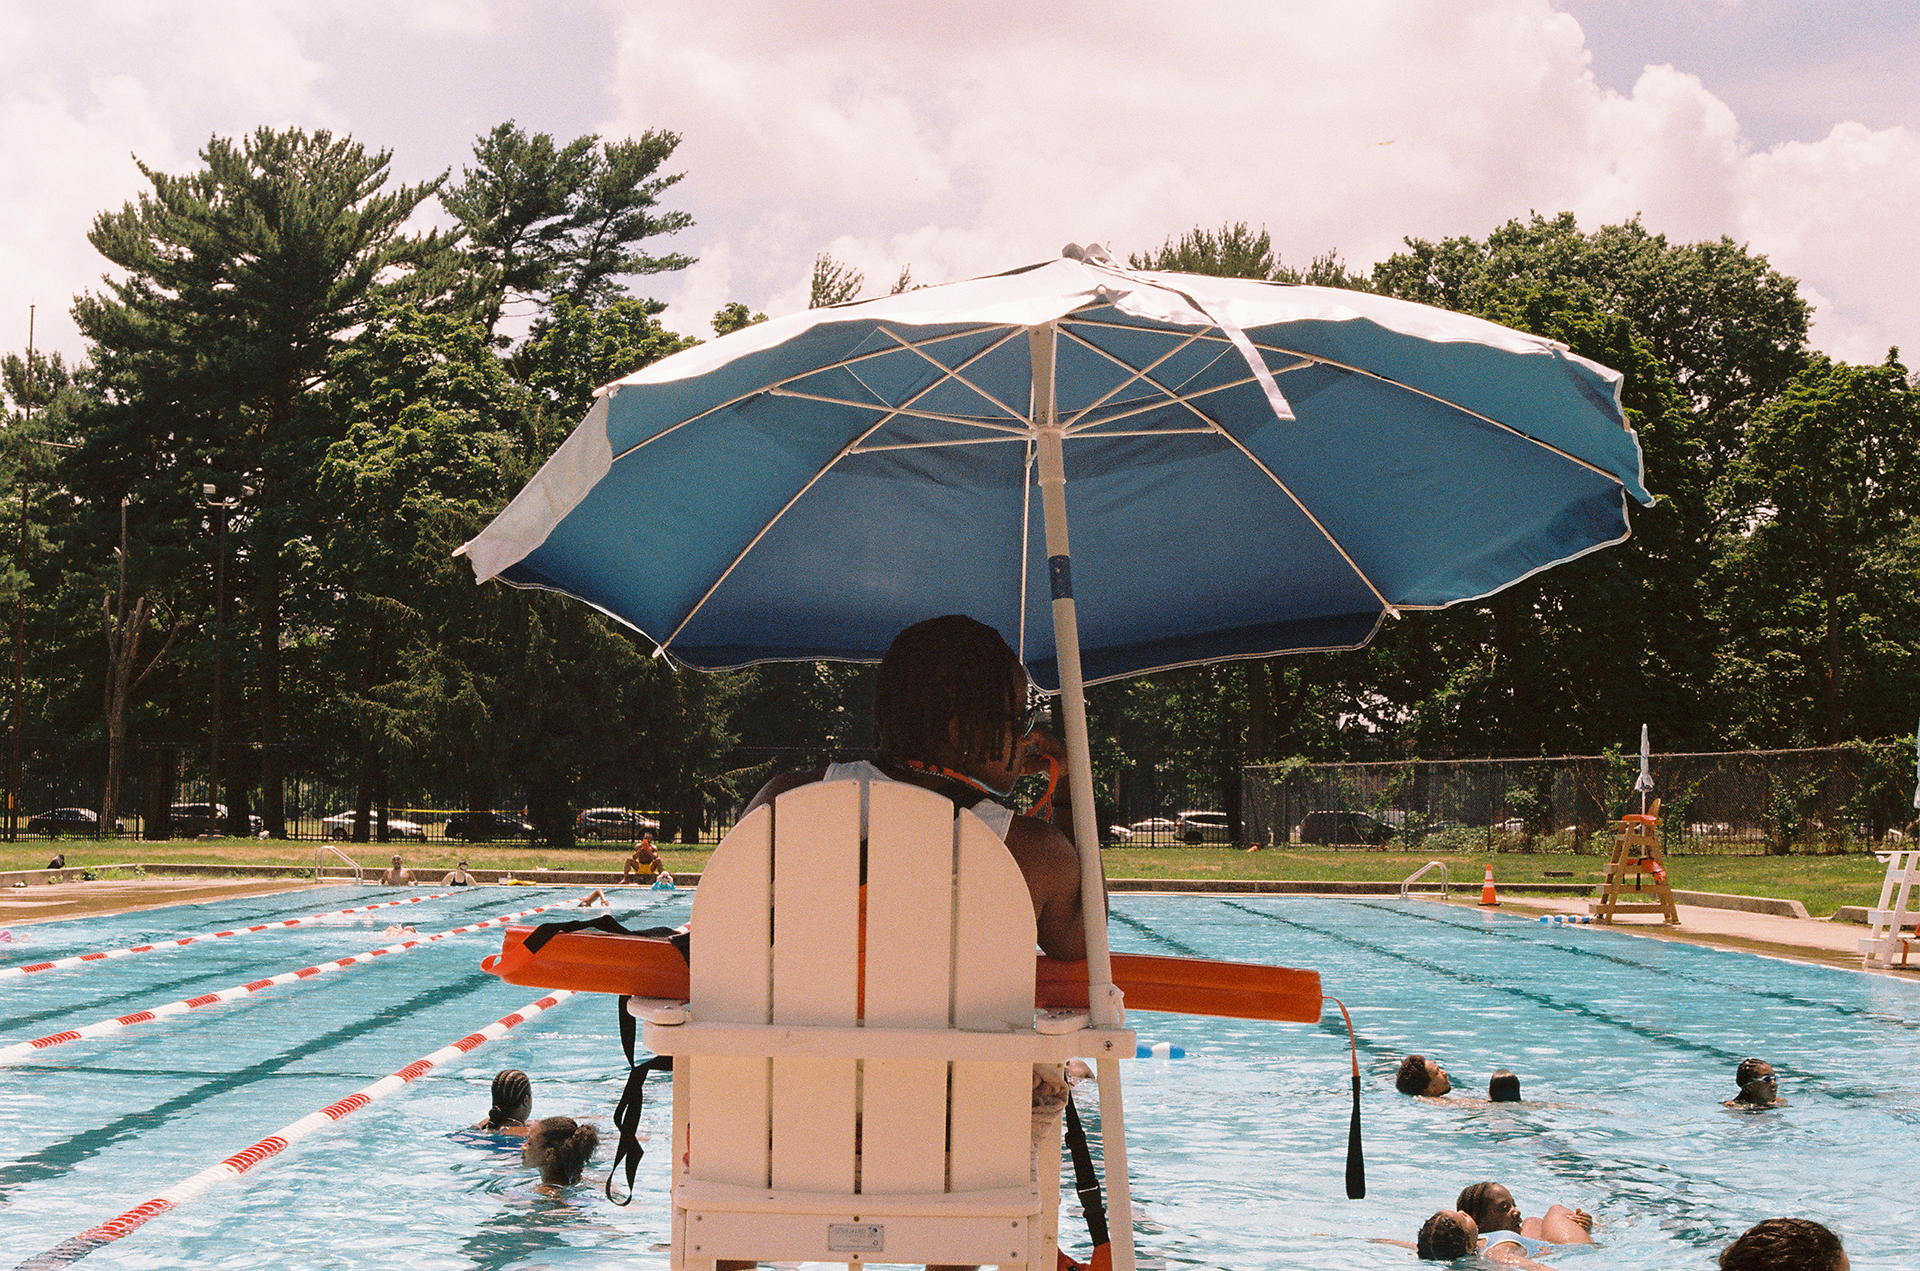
[(1035, 712)]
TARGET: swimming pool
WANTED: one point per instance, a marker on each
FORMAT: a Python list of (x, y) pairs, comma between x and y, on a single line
[(1238, 1149)]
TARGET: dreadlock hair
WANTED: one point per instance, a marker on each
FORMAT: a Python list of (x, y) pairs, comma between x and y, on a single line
[(1473, 1202), (1443, 1238), (561, 1147), (946, 691), (1784, 1244), (512, 1099)]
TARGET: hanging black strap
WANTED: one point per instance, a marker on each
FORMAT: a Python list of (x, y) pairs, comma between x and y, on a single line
[(1086, 1183), (626, 1113)]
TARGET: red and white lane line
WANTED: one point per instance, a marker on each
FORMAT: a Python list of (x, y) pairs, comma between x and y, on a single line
[(71, 1250), (20, 1050), (81, 959)]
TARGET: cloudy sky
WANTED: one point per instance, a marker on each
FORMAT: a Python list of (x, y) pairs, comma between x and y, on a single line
[(958, 140)]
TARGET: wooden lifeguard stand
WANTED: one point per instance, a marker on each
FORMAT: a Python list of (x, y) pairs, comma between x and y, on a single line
[(1636, 851)]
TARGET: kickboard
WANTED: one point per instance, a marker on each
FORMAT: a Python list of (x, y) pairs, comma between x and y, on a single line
[(646, 966)]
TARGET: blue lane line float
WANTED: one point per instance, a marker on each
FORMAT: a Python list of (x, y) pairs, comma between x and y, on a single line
[(1159, 1050), (1564, 920)]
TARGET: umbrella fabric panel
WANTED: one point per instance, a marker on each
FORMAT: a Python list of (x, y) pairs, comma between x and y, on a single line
[(1431, 524)]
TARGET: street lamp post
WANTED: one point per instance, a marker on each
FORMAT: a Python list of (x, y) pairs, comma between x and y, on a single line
[(220, 509)]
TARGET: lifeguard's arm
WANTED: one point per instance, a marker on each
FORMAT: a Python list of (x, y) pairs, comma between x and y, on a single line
[(1052, 870)]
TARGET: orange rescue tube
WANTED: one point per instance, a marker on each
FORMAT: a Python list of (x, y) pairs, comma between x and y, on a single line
[(647, 966)]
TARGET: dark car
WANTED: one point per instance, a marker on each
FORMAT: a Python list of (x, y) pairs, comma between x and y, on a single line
[(191, 820), (70, 821), (1343, 828), (613, 823), (1202, 827), (479, 827)]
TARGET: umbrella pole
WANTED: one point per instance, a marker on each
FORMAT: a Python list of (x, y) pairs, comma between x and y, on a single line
[(1103, 998)]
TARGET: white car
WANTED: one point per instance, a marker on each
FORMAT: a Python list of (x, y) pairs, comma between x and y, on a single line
[(1156, 829), (340, 826)]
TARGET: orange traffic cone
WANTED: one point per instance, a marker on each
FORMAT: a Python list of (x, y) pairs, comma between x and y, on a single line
[(1487, 896)]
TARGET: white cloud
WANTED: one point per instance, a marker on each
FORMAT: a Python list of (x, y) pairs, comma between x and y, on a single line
[(958, 144)]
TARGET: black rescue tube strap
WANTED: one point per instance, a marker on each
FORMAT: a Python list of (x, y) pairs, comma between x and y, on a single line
[(626, 1113), (1086, 1183), (1356, 1162)]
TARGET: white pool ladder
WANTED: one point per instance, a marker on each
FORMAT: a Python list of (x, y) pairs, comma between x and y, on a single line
[(1407, 883), (323, 849), (1885, 937)]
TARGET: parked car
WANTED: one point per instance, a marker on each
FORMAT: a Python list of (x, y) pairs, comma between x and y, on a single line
[(191, 820), (340, 826), (613, 823), (479, 827), (1156, 829), (1340, 827), (70, 821), (1202, 827)]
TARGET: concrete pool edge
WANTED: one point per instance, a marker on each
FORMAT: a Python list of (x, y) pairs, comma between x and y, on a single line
[(1773, 933)]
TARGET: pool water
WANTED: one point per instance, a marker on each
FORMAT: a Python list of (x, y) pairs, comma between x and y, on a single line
[(1625, 1046)]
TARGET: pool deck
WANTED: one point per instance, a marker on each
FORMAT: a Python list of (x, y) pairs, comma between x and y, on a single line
[(1773, 934)]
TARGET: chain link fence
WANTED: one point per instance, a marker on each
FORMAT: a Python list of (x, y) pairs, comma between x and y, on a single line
[(1855, 797)]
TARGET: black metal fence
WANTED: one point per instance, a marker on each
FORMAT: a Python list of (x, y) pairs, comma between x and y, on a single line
[(1843, 798)]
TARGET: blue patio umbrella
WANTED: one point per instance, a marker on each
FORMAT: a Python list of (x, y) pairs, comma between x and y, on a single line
[(1245, 469)]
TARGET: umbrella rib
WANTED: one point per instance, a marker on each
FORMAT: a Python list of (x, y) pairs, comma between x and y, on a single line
[(1139, 373), (936, 416), (954, 373)]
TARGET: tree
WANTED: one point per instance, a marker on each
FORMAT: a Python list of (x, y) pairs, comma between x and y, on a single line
[(1818, 595), (1236, 251), (834, 283), (242, 281), (734, 315), (542, 222)]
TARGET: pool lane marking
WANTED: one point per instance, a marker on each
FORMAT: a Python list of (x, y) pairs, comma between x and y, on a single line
[(20, 1050), (77, 1247), (82, 959)]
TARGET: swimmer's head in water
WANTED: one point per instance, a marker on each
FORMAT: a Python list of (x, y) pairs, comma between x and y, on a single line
[(1490, 1206), (949, 692), (1785, 1244), (1419, 1075), (1447, 1235), (1751, 1070), (512, 1098), (1503, 1087), (560, 1147)]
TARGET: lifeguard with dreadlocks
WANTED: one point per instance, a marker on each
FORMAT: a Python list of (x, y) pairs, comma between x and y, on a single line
[(950, 706)]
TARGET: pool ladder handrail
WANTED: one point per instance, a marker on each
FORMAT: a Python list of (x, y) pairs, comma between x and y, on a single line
[(323, 849), (1407, 882)]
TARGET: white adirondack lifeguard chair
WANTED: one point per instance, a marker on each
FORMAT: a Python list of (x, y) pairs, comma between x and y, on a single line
[(1886, 942), (853, 1068)]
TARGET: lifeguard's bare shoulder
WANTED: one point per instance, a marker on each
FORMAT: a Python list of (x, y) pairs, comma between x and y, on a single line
[(781, 784), (1052, 869)]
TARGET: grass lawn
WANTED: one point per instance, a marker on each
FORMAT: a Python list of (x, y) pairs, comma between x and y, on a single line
[(1820, 882)]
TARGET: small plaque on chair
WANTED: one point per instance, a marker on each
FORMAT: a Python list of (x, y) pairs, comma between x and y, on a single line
[(857, 1237)]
